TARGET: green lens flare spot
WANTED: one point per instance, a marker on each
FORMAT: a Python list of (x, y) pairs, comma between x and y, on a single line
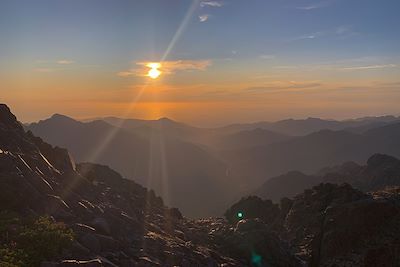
[(256, 259), (240, 215)]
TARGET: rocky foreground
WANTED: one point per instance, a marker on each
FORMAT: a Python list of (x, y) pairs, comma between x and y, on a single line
[(116, 222)]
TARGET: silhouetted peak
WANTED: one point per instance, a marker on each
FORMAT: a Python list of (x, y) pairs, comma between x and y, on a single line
[(5, 113), (379, 160), (168, 121), (7, 118), (313, 119), (165, 119), (61, 117)]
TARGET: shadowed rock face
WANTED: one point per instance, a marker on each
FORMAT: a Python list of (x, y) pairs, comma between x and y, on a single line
[(336, 225), (116, 221), (253, 207)]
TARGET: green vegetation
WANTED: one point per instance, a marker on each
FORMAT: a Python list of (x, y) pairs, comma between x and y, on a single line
[(28, 242)]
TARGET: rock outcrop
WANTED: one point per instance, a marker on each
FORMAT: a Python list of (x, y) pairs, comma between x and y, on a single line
[(337, 225), (116, 221)]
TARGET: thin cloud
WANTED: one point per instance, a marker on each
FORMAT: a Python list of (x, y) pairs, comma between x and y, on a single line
[(283, 85), (211, 4), (168, 67), (371, 67), (65, 62), (308, 36), (345, 31), (266, 57), (315, 6), (342, 31), (204, 18)]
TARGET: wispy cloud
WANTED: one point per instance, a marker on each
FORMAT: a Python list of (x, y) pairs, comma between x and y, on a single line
[(168, 67), (308, 36), (351, 64), (211, 3), (284, 85), (315, 5), (371, 67), (342, 31), (65, 62), (266, 57), (204, 17)]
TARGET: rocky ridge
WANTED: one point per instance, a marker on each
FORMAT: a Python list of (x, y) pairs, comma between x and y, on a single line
[(117, 222), (337, 225)]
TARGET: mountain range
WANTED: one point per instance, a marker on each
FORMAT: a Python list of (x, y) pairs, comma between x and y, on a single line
[(86, 214), (380, 171), (190, 166), (113, 221)]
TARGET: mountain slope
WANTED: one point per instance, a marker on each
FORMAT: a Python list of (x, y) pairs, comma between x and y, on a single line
[(163, 126), (181, 172), (115, 221), (380, 172), (248, 139), (286, 185), (312, 152), (294, 127)]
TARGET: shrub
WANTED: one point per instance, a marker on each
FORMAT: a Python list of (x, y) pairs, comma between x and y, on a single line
[(12, 257), (29, 242)]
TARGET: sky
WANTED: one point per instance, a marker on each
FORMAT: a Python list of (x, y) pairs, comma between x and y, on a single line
[(220, 61)]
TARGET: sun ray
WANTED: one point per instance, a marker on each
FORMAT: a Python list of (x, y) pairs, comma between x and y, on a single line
[(181, 28)]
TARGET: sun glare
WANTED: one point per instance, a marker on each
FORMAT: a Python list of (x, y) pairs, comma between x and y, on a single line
[(154, 71)]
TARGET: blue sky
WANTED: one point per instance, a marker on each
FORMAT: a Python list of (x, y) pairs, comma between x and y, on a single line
[(351, 42), (104, 29)]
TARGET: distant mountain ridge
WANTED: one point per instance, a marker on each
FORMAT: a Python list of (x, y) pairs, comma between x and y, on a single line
[(381, 171), (299, 127), (312, 152), (291, 127), (167, 156), (181, 172)]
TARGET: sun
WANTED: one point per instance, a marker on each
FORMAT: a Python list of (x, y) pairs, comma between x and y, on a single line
[(154, 73)]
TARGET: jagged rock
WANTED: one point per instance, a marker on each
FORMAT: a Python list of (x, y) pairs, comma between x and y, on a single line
[(114, 219), (333, 225), (252, 207), (250, 225)]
